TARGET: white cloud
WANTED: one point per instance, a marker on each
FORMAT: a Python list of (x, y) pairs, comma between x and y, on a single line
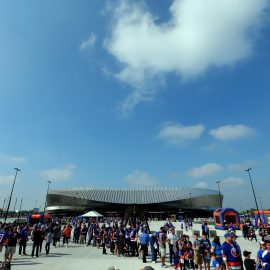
[(13, 159), (6, 179), (205, 170), (174, 133), (240, 168), (232, 182), (87, 44), (201, 185), (141, 178), (198, 35), (59, 174), (232, 132)]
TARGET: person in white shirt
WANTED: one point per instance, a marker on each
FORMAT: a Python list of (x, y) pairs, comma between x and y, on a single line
[(171, 240)]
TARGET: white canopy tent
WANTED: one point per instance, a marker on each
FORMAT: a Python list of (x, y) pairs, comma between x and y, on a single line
[(92, 214)]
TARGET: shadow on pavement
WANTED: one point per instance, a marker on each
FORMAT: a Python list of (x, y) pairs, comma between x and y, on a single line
[(26, 263)]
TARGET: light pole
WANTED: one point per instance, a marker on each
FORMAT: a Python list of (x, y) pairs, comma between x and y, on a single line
[(17, 170), (248, 170), (45, 205), (14, 207), (19, 214), (2, 214), (220, 200)]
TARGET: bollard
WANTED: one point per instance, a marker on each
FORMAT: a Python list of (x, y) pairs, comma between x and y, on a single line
[(179, 233), (212, 233), (198, 232)]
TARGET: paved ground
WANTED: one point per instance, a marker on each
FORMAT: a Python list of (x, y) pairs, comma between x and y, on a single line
[(91, 258)]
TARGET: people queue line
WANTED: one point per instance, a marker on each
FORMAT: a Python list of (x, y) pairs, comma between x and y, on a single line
[(136, 240)]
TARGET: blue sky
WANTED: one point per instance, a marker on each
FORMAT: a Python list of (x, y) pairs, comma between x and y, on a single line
[(108, 93)]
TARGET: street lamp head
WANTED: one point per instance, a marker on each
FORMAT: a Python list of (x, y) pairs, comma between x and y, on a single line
[(18, 170), (249, 169), (218, 182), (49, 181)]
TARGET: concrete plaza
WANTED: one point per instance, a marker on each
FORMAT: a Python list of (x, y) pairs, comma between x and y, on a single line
[(83, 257)]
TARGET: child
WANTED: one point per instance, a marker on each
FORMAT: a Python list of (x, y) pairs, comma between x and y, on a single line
[(184, 252), (176, 257), (215, 262)]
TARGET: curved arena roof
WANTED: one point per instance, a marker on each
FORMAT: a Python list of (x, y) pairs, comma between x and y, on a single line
[(119, 198)]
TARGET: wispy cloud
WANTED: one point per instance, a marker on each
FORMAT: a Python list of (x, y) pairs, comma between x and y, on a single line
[(4, 157), (6, 179), (205, 170), (240, 167), (87, 44), (59, 174), (226, 183), (187, 44), (232, 182), (232, 132), (141, 178), (175, 133), (200, 185)]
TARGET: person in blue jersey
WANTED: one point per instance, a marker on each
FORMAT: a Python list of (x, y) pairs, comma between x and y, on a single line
[(266, 256), (154, 246), (23, 238), (133, 241), (203, 227), (127, 239), (230, 254), (215, 263), (144, 242), (3, 237), (216, 249), (231, 227), (260, 253)]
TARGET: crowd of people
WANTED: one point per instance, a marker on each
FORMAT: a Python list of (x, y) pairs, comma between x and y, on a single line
[(135, 240)]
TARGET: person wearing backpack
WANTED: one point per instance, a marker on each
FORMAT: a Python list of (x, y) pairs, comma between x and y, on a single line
[(197, 252)]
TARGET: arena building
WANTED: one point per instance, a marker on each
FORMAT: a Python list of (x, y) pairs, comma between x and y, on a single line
[(153, 202)]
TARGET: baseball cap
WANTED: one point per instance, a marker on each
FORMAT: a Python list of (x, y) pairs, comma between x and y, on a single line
[(228, 235), (246, 253)]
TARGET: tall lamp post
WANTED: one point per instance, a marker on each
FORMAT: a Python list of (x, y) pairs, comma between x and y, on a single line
[(17, 170), (14, 207), (251, 183), (19, 214), (45, 205), (220, 200), (3, 207)]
